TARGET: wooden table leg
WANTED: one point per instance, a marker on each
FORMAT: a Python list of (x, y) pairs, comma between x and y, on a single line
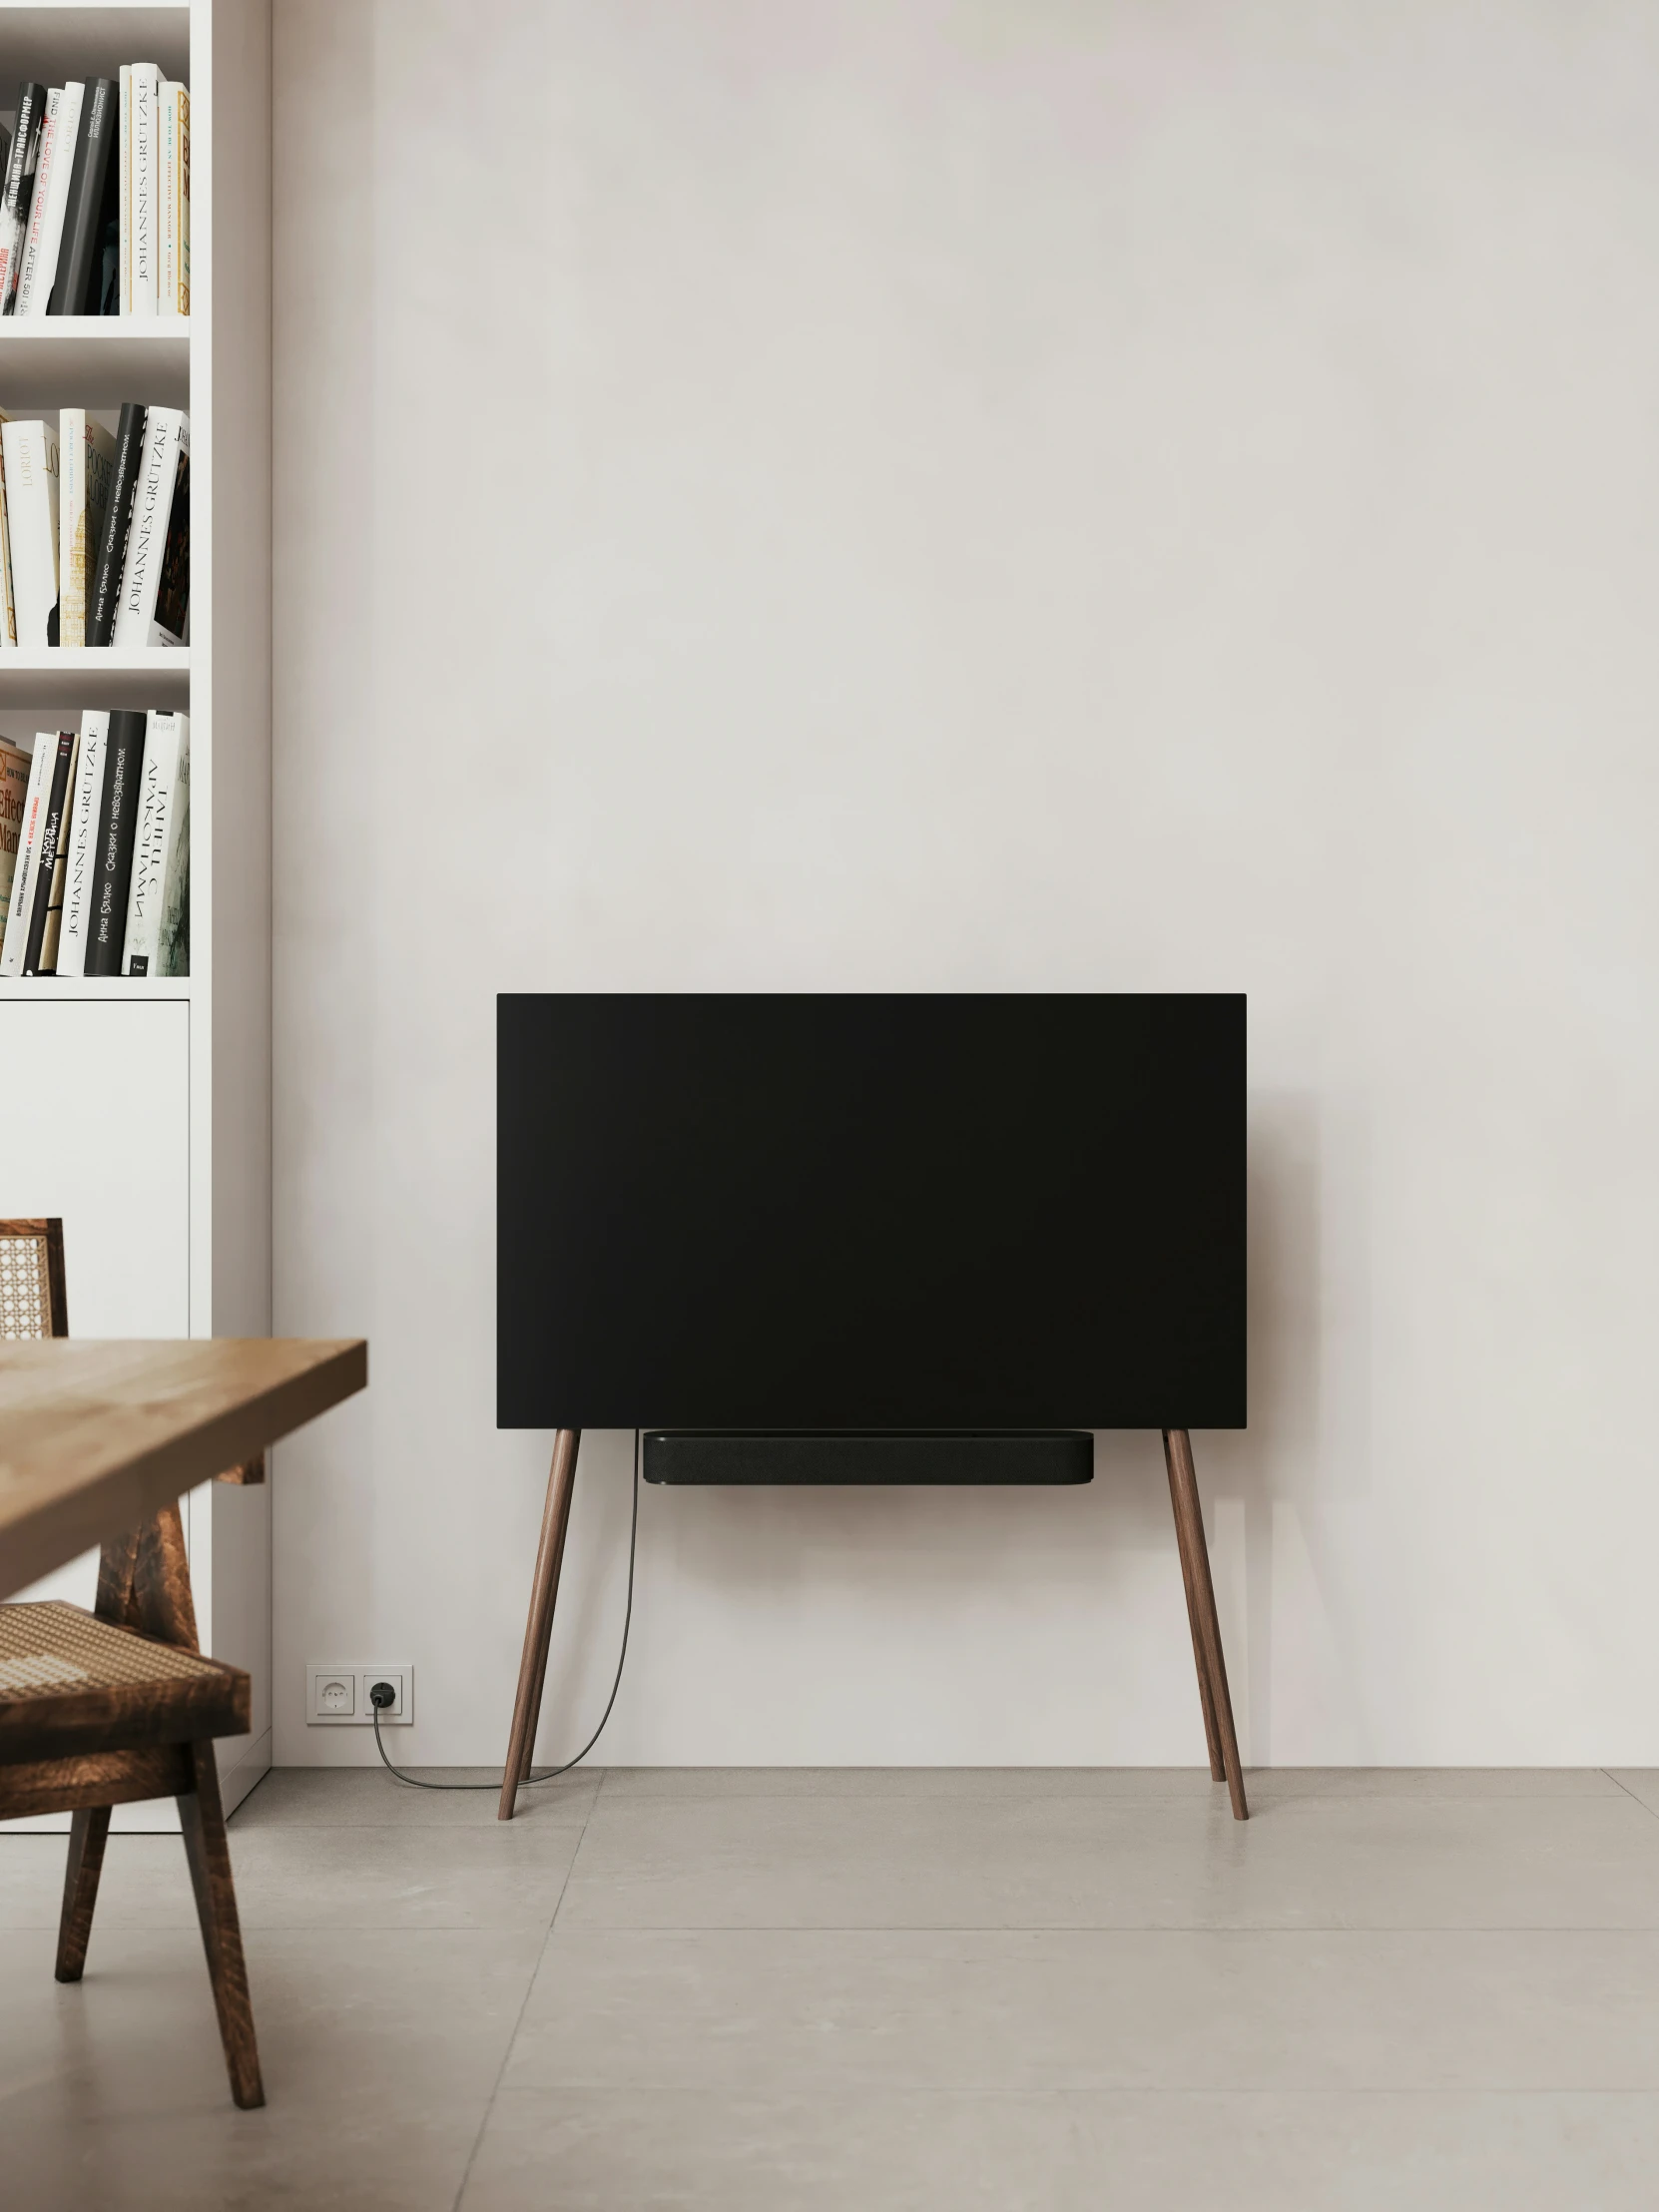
[(1189, 1529), (538, 1628)]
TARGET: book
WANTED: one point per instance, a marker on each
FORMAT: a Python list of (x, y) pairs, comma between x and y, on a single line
[(57, 158), (28, 840), (160, 848), (14, 787), (8, 614), (141, 201), (40, 952), (179, 293), (30, 454), (75, 289), (112, 873), (162, 483), (105, 594), (86, 454), (170, 621), (104, 289), (124, 166), (81, 844), (167, 179), (21, 166), (38, 197)]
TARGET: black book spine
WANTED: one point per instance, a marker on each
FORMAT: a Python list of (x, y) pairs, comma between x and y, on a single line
[(173, 586), (103, 276), (51, 836), (20, 179), (100, 121), (105, 596), (116, 824)]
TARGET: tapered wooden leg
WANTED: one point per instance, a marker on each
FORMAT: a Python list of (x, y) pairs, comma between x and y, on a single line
[(538, 1628), (202, 1816), (1200, 1597), (1212, 1737), (567, 1491), (87, 1831)]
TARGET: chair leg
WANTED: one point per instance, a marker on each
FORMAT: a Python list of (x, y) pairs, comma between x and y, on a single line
[(538, 1628), (87, 1831), (1212, 1737), (1189, 1525), (202, 1816)]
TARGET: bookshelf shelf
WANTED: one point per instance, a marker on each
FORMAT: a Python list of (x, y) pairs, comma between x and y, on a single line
[(88, 361), (95, 675), (88, 989)]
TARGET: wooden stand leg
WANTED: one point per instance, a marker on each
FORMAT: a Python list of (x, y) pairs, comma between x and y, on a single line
[(202, 1816), (538, 1629), (87, 1831), (1212, 1736), (567, 1491), (1201, 1606)]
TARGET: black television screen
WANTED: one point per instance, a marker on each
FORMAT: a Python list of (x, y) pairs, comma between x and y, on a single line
[(864, 1211)]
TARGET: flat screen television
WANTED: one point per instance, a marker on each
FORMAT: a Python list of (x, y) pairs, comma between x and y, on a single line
[(756, 1216)]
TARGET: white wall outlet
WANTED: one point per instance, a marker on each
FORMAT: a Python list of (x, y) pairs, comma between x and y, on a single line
[(337, 1697)]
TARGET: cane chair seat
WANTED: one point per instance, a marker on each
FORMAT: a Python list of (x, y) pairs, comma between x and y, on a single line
[(71, 1683)]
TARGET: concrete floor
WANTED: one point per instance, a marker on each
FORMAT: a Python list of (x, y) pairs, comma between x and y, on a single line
[(866, 1990)]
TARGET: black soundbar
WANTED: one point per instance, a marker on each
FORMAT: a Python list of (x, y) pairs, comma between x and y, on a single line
[(1024, 1457)]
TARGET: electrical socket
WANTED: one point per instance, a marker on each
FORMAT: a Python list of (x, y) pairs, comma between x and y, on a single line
[(337, 1697)]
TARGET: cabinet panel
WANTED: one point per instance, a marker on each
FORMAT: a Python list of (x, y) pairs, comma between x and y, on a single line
[(95, 1127)]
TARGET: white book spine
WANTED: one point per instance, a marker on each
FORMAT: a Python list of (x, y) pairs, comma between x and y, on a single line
[(145, 80), (167, 244), (81, 845), (72, 508), (42, 271), (173, 958), (28, 848), (147, 532), (124, 160), (39, 204), (160, 792), (8, 612), (30, 452)]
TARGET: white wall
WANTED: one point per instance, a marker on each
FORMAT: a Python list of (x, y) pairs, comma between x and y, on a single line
[(879, 494)]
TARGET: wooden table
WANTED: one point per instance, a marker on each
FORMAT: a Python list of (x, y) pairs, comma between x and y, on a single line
[(95, 1437)]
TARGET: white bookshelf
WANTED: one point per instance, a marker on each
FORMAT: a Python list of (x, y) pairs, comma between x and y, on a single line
[(182, 1247), (91, 676)]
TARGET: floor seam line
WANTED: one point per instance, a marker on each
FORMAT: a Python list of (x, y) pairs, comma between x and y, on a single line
[(529, 1992), (1629, 1793)]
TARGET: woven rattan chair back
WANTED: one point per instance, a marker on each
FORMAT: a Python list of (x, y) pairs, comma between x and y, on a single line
[(32, 1300)]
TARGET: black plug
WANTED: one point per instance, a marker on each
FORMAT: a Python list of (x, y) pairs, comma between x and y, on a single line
[(381, 1695)]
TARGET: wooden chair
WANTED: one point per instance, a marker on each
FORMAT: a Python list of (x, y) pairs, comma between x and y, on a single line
[(110, 1707)]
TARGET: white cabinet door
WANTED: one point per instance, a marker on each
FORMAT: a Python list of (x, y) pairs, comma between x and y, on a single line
[(95, 1128)]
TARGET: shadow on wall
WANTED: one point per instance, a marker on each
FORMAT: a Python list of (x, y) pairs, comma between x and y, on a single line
[(1274, 1495)]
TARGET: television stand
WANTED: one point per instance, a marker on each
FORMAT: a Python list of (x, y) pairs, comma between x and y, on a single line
[(1217, 1706)]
